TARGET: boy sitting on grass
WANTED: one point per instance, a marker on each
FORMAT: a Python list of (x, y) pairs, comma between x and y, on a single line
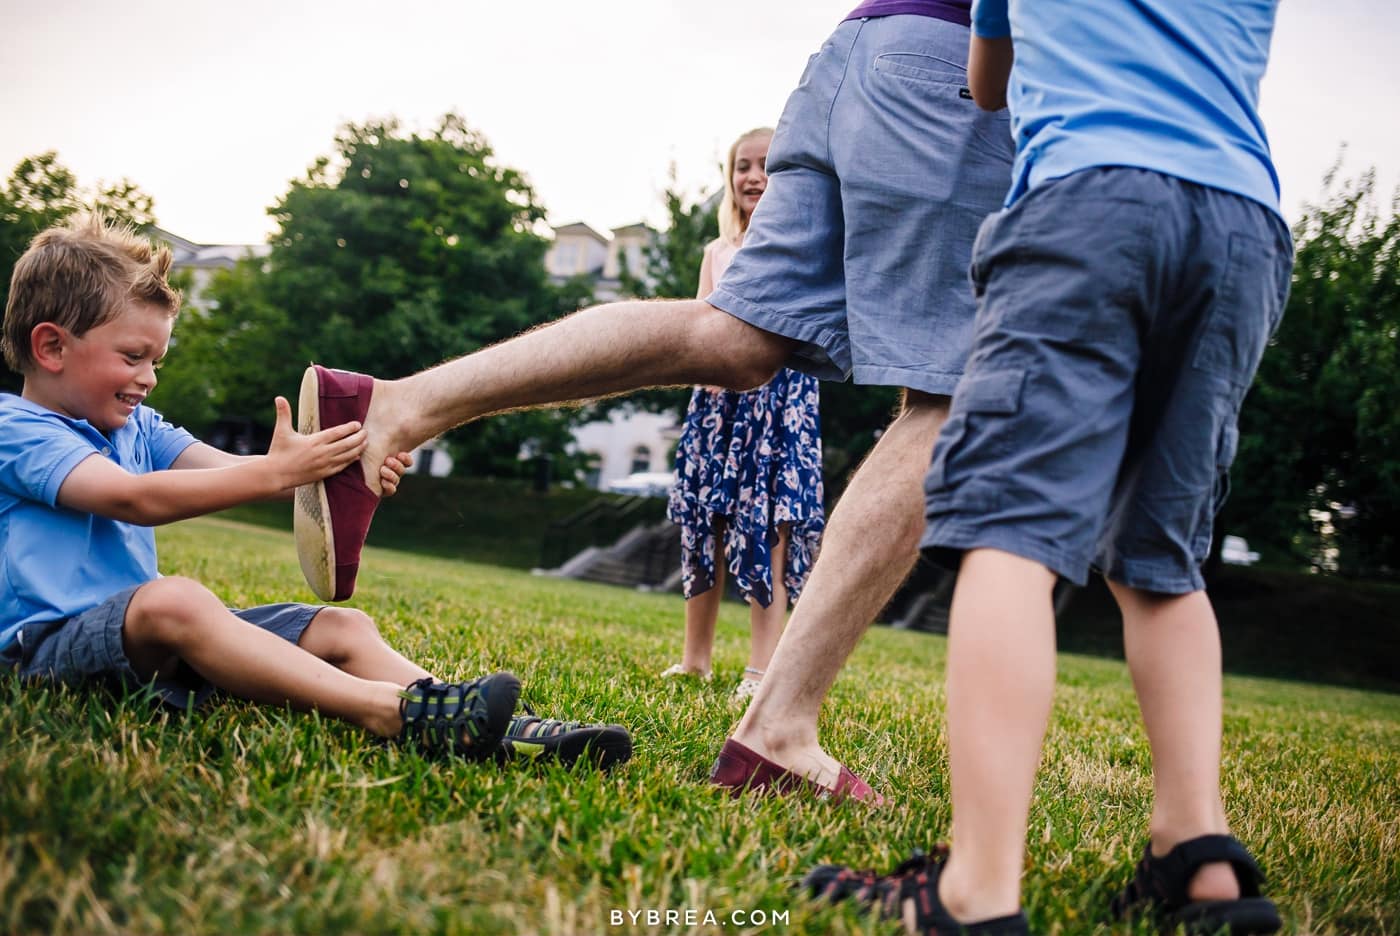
[(86, 470)]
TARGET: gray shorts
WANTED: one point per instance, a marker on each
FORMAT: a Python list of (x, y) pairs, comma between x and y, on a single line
[(88, 647), (1122, 315), (880, 171)]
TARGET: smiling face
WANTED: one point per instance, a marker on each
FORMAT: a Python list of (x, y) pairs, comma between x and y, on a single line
[(750, 175), (110, 369)]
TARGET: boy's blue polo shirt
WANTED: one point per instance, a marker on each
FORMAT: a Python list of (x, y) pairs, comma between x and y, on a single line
[(56, 562), (1166, 85)]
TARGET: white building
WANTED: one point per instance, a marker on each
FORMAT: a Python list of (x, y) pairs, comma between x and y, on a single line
[(579, 250), (202, 260)]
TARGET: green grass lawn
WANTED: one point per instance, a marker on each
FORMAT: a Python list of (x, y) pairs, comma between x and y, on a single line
[(246, 820)]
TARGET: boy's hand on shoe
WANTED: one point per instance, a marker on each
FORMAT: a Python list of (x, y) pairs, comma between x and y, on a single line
[(394, 468), (298, 459)]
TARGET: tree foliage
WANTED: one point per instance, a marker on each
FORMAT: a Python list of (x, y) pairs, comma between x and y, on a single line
[(672, 262), (395, 252), (1317, 479)]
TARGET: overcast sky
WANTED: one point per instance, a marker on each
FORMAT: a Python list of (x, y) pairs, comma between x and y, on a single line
[(214, 108)]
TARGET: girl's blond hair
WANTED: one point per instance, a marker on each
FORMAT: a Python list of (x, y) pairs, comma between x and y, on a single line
[(732, 223)]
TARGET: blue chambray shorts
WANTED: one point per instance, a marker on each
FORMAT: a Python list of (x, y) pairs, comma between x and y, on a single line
[(1122, 315), (88, 647), (879, 173)]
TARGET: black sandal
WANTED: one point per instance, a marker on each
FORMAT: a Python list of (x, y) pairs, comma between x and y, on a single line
[(916, 879), (1159, 889)]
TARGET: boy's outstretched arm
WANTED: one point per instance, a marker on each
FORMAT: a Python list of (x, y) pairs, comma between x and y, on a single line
[(98, 486), (990, 54), (200, 455)]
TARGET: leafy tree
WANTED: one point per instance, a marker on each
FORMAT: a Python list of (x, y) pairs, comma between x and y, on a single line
[(40, 193), (672, 262), (395, 252), (1317, 479)]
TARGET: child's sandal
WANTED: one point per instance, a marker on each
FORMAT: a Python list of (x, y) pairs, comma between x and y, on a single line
[(1159, 888), (466, 719), (915, 884)]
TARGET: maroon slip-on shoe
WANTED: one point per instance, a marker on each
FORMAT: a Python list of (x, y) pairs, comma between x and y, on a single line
[(739, 768), (331, 517)]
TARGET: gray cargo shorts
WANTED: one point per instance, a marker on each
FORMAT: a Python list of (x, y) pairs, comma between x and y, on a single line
[(88, 647), (1122, 315)]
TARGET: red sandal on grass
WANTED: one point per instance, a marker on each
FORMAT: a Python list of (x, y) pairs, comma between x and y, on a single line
[(331, 518), (739, 768)]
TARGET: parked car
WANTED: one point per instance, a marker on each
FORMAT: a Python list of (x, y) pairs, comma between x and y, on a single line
[(644, 484), (1235, 550)]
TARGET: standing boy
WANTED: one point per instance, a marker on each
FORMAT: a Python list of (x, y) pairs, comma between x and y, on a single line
[(1126, 294), (86, 469)]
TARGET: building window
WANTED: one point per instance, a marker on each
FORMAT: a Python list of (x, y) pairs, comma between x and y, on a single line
[(641, 459), (566, 259)]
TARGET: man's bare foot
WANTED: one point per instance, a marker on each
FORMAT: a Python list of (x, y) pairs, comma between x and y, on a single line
[(806, 760), (383, 422)]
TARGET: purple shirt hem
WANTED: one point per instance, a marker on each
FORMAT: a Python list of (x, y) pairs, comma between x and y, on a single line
[(949, 10)]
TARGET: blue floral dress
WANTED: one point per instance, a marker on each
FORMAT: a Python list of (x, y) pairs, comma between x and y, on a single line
[(753, 458)]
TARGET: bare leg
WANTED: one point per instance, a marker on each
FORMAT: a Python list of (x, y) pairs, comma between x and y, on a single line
[(1001, 677), (607, 349), (349, 640), (179, 618), (766, 624), (1173, 647), (702, 614), (869, 547)]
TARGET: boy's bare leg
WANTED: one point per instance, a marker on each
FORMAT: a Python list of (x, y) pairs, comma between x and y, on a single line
[(179, 618), (1172, 643), (603, 350), (869, 546), (766, 624), (1001, 678), (349, 640)]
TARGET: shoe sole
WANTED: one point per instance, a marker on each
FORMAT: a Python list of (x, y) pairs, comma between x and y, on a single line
[(604, 747), (311, 512), (1247, 916)]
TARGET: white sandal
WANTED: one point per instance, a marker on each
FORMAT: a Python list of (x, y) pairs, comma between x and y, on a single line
[(749, 684), (677, 670)]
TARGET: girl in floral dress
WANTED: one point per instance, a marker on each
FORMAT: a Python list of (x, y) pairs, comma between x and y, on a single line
[(748, 471)]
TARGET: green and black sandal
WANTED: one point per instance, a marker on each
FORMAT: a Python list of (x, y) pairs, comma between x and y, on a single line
[(466, 719), (530, 737)]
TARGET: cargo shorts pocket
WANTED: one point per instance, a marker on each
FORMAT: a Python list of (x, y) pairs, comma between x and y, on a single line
[(1246, 311), (974, 437)]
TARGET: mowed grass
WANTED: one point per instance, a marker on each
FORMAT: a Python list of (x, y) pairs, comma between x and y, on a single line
[(241, 819)]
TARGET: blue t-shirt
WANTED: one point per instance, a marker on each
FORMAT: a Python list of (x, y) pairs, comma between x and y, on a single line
[(56, 562), (1166, 85)]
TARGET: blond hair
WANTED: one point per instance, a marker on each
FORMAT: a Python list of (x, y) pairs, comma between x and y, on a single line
[(80, 275), (732, 223)]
